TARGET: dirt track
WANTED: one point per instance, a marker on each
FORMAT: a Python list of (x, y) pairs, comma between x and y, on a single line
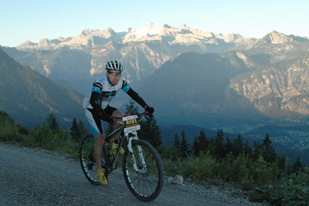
[(38, 177)]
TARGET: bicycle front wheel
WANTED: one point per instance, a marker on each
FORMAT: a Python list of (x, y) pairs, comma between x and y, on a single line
[(146, 181), (87, 160)]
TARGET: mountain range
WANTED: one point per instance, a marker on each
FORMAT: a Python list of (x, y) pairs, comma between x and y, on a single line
[(76, 61), (213, 81)]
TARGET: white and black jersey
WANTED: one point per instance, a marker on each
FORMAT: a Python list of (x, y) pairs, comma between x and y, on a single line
[(101, 95), (103, 92)]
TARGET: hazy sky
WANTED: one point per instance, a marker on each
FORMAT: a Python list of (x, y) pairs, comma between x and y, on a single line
[(22, 20)]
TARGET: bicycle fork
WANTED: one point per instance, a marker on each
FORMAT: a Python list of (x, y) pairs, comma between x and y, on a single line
[(141, 156)]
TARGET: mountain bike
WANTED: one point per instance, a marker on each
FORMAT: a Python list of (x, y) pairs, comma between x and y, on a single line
[(141, 164)]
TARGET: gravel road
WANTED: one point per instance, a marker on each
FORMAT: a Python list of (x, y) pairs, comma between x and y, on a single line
[(39, 177)]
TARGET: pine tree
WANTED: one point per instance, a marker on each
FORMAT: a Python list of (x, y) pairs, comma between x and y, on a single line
[(74, 131), (77, 131), (176, 142), (248, 149), (282, 163), (219, 145), (203, 141), (52, 123), (257, 150), (196, 146), (228, 147), (175, 149), (184, 145), (152, 133), (200, 143), (238, 146), (82, 130), (211, 148), (268, 150), (132, 109), (297, 165)]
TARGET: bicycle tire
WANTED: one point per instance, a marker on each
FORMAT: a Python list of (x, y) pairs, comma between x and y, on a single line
[(147, 185), (87, 161)]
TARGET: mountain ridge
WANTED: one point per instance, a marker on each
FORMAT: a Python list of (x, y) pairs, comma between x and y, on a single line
[(29, 97), (283, 85), (151, 32), (142, 51)]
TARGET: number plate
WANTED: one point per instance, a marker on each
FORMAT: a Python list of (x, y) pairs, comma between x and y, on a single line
[(131, 123)]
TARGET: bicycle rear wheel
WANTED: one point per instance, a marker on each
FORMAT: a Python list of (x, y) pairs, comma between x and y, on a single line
[(87, 160), (145, 183)]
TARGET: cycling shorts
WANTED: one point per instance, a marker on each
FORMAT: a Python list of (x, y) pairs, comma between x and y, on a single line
[(95, 120)]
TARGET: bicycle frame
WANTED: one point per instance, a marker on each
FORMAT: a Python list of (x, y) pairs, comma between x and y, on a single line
[(125, 134)]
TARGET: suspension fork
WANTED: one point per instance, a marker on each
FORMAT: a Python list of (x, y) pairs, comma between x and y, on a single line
[(140, 153)]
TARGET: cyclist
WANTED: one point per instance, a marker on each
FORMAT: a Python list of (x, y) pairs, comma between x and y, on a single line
[(97, 108)]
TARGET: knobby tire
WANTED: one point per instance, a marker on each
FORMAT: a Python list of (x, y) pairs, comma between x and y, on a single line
[(87, 161), (147, 184)]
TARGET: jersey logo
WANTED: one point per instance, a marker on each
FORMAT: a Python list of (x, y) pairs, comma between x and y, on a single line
[(108, 94)]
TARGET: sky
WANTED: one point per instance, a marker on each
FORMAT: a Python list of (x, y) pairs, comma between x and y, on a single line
[(22, 20)]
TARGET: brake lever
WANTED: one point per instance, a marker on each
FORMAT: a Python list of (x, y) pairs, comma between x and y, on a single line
[(147, 114)]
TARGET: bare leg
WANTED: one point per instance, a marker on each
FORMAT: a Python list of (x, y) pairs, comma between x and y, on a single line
[(117, 113), (99, 142)]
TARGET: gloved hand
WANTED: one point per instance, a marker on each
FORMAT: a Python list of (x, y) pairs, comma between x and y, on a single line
[(149, 110)]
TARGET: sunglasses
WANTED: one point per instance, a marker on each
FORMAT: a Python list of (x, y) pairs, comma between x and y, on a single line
[(116, 74)]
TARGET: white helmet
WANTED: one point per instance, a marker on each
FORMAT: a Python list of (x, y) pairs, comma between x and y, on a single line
[(114, 65)]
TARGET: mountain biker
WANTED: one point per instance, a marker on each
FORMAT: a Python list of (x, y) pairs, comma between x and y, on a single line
[(97, 108)]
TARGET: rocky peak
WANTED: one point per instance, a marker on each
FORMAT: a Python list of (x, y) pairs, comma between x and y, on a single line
[(277, 38), (27, 43), (183, 26), (150, 26), (232, 37), (166, 26)]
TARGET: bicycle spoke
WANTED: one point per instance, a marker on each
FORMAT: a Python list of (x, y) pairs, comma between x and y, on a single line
[(146, 183), (87, 161)]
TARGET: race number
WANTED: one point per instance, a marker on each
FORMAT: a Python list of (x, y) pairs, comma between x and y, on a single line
[(131, 123)]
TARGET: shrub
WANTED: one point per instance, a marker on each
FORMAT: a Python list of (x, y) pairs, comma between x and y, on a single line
[(236, 170), (199, 168), (23, 130), (8, 132), (293, 190), (8, 127), (264, 172)]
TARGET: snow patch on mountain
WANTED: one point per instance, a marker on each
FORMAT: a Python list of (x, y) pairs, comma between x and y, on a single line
[(90, 38)]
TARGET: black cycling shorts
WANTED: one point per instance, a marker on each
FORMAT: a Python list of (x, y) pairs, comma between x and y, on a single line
[(94, 120)]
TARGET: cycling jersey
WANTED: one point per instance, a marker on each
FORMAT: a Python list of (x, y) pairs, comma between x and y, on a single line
[(106, 92), (99, 98)]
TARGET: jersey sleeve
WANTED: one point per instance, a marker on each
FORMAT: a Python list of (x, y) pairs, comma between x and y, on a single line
[(136, 97), (96, 92), (125, 86)]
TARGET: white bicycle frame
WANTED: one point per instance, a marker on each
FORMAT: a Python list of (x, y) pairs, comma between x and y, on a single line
[(133, 130)]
